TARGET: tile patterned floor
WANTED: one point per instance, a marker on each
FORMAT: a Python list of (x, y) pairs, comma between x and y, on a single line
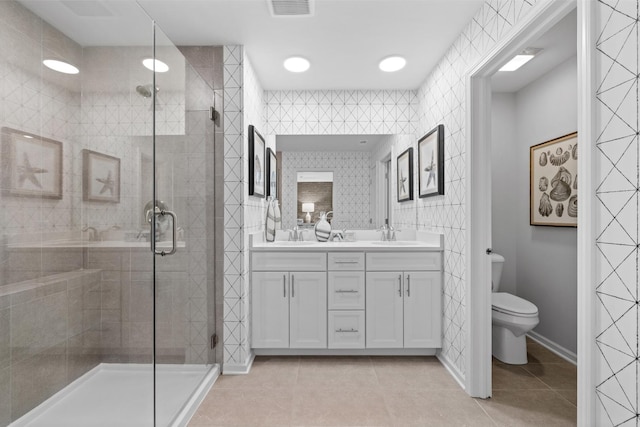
[(389, 391)]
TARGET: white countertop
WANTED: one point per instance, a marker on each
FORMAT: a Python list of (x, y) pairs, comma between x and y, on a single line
[(417, 241)]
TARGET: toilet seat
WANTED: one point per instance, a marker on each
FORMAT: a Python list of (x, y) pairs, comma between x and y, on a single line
[(507, 303)]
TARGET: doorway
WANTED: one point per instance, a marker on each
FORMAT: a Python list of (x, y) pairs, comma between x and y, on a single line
[(479, 238)]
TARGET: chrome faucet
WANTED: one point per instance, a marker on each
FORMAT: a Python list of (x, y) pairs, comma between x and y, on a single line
[(388, 233), (93, 235), (337, 236), (295, 235)]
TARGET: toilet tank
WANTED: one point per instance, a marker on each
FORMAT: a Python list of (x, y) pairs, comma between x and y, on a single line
[(497, 262)]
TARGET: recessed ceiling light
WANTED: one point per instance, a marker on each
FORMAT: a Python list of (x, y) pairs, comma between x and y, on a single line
[(28, 136), (392, 63), (61, 67), (520, 59), (155, 65), (296, 64)]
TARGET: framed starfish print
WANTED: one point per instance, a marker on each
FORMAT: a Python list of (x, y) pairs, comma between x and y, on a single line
[(32, 165), (404, 172), (100, 177), (431, 163)]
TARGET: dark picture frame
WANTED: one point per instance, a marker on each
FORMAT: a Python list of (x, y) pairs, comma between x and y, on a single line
[(34, 165), (272, 174), (100, 177), (553, 182), (431, 163), (404, 175), (257, 173)]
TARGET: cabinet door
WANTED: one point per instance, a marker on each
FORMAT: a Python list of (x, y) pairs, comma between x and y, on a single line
[(422, 312), (308, 310), (270, 310), (384, 310)]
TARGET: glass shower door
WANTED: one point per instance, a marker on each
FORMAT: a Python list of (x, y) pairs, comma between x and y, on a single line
[(183, 135)]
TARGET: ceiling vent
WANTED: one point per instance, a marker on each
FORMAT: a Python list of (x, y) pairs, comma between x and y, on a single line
[(291, 7)]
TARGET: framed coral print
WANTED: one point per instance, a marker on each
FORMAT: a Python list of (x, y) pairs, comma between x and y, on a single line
[(100, 177), (256, 163), (431, 163), (272, 177), (553, 182), (404, 174), (34, 165)]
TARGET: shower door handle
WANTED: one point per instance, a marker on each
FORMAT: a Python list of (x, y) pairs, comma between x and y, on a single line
[(174, 237)]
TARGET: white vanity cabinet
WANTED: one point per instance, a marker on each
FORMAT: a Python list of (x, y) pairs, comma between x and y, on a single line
[(403, 305), (289, 308), (346, 298)]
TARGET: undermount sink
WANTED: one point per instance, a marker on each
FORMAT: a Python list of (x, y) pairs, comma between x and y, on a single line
[(396, 243)]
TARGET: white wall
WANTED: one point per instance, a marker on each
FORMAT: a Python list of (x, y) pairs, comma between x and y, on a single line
[(541, 262), (503, 199)]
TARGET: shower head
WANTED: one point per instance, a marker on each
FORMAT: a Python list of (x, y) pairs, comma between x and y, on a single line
[(145, 90)]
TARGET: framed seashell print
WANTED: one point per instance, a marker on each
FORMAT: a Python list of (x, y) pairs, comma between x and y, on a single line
[(553, 182), (404, 172), (257, 185)]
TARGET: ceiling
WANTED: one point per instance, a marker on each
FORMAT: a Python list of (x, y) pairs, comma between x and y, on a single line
[(344, 39), (327, 142), (558, 45)]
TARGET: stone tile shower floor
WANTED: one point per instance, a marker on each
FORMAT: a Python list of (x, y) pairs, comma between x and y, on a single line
[(390, 391)]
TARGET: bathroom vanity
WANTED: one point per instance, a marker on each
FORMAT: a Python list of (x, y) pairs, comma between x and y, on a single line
[(362, 297)]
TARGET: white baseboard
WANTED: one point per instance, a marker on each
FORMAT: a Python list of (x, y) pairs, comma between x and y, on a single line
[(344, 352), (557, 349), (453, 370), (238, 369)]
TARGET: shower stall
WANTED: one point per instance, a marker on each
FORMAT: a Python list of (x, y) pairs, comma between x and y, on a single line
[(107, 217)]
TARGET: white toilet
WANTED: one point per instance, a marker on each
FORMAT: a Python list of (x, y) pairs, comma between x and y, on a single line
[(511, 317)]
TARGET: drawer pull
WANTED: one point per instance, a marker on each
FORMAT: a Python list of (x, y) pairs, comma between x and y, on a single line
[(346, 291), (284, 285), (293, 284), (346, 262), (346, 330), (408, 285), (400, 285)]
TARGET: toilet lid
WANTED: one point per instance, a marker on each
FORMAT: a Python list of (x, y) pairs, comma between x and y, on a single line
[(511, 304)]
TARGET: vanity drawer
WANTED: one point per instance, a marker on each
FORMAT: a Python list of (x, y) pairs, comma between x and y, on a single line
[(341, 261), (289, 261), (346, 290), (346, 329), (404, 261)]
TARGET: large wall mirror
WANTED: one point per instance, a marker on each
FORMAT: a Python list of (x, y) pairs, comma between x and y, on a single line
[(322, 173)]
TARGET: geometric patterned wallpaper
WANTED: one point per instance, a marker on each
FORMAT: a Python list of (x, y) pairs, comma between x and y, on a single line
[(350, 185), (617, 160), (244, 214), (442, 100)]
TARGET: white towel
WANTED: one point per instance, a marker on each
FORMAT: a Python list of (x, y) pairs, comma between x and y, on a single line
[(277, 215), (270, 223)]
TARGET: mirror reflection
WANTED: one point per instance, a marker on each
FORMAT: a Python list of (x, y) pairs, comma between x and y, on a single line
[(315, 195)]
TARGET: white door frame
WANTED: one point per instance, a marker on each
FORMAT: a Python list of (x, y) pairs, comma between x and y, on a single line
[(544, 15)]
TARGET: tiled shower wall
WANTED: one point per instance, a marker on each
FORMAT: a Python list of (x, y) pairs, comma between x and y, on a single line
[(617, 222), (350, 186)]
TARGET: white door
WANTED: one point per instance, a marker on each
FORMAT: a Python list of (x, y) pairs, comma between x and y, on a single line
[(422, 309), (308, 308), (270, 310), (384, 316)]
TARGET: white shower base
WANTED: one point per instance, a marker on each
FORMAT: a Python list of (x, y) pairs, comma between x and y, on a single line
[(122, 395)]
